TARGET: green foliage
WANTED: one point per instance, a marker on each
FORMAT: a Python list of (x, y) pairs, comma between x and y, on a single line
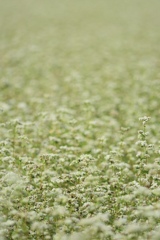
[(79, 120)]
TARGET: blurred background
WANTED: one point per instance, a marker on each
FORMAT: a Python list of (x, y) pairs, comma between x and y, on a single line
[(72, 51)]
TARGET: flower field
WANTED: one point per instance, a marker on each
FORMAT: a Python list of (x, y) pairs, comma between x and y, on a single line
[(79, 120)]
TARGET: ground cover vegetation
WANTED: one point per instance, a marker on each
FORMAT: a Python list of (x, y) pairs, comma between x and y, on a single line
[(79, 120)]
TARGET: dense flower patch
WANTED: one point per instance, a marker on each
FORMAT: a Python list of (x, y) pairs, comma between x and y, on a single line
[(79, 120)]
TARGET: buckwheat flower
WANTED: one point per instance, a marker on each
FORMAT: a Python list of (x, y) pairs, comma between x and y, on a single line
[(22, 105), (134, 228), (8, 159), (144, 119), (61, 236), (121, 221), (141, 143), (39, 226), (76, 236), (99, 226), (8, 223), (32, 215), (5, 151), (11, 178), (4, 107), (104, 217), (153, 171), (142, 191), (156, 191), (126, 198), (108, 157), (138, 154), (118, 236)]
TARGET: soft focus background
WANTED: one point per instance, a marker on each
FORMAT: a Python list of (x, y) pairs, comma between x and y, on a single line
[(104, 51), (75, 77)]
